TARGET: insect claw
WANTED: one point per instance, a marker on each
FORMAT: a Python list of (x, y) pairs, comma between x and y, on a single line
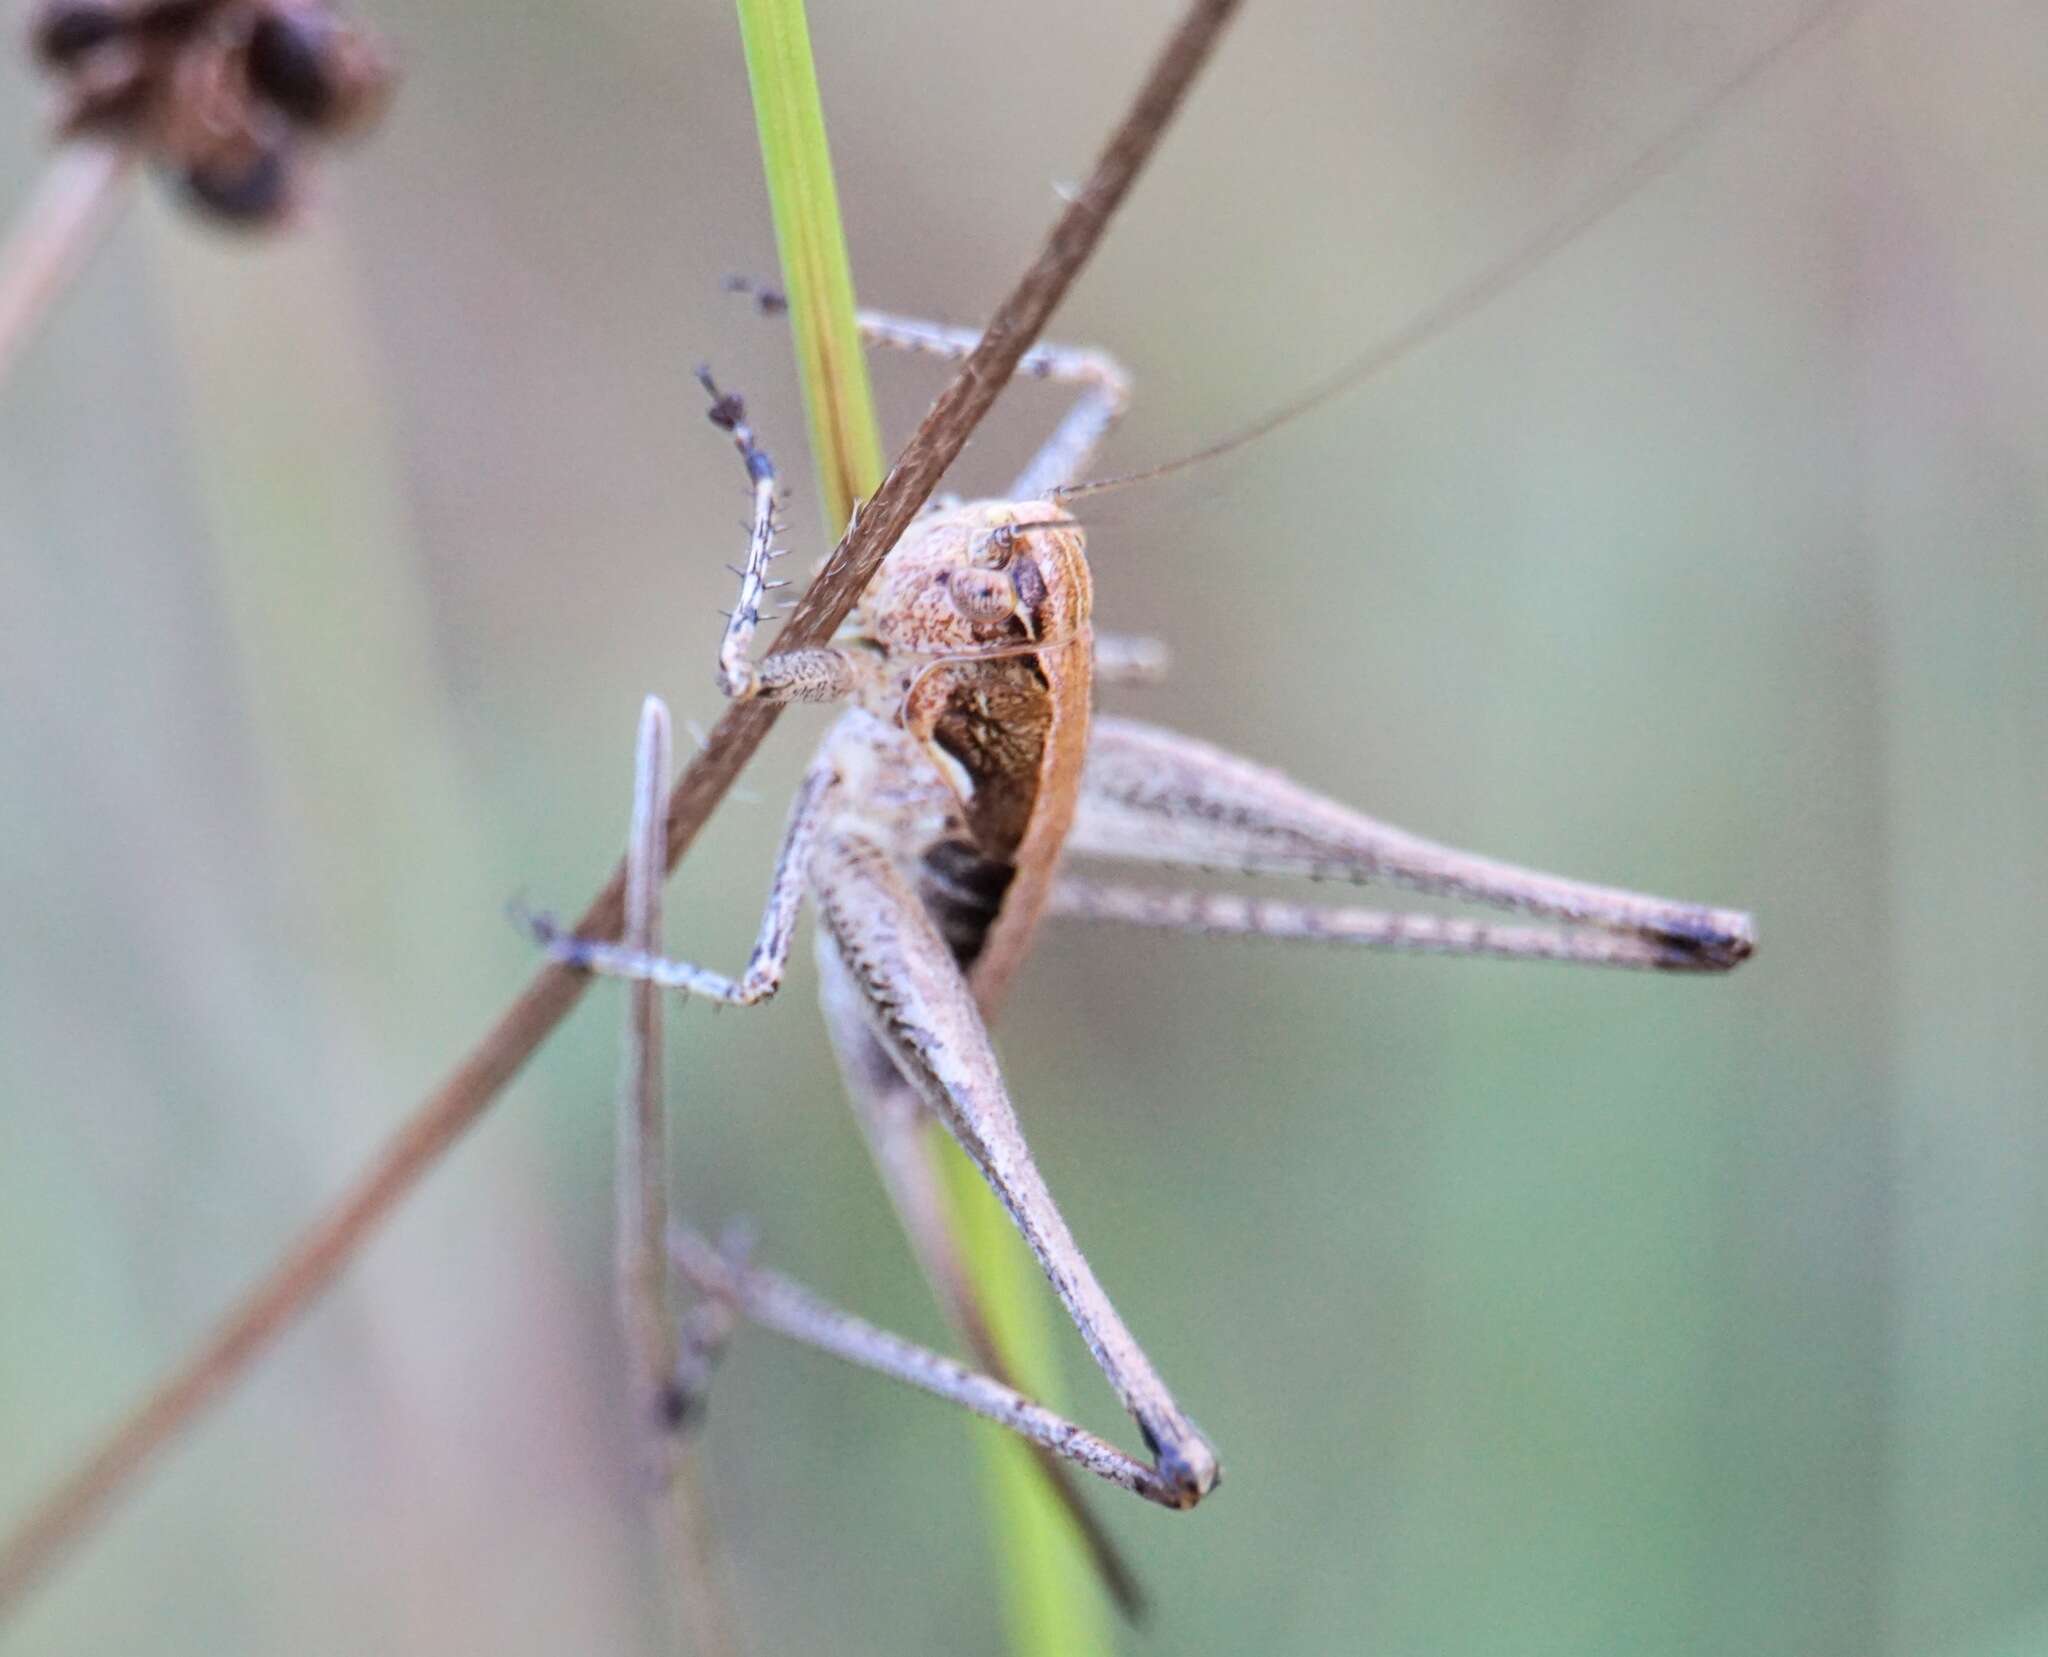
[(769, 301), (546, 931), (728, 410), (681, 1402)]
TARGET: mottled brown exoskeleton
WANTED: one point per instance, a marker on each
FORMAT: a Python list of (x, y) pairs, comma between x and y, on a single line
[(935, 829)]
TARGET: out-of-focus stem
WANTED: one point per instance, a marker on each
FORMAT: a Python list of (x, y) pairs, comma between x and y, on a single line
[(72, 206), (646, 1312)]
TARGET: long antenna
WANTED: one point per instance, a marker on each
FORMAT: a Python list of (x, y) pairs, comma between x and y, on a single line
[(1464, 302)]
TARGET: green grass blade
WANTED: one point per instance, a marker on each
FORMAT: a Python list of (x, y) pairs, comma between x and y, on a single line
[(816, 274), (1048, 1604), (1051, 1608)]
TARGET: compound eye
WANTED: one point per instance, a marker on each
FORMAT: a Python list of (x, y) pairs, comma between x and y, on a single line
[(982, 595), (994, 548)]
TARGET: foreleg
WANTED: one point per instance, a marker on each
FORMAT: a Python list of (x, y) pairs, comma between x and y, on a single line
[(822, 674)]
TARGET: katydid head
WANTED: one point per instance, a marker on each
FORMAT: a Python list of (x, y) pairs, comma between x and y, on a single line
[(987, 578)]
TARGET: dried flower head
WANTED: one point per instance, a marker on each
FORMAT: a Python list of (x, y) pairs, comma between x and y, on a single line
[(223, 95)]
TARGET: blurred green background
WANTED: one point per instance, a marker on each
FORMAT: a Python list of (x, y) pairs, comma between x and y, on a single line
[(1533, 1311)]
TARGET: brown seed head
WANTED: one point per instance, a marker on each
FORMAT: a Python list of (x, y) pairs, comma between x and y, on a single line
[(223, 95)]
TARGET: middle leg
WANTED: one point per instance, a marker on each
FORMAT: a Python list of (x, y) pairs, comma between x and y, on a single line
[(770, 959), (1105, 386), (1130, 659)]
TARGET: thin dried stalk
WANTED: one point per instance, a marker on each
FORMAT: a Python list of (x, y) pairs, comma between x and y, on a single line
[(646, 1312), (645, 1317), (703, 1613), (71, 208), (69, 1511)]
